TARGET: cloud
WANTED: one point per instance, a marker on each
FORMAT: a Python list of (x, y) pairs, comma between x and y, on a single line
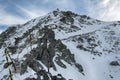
[(61, 4), (105, 2), (111, 10), (7, 19), (66, 4), (32, 12), (106, 10)]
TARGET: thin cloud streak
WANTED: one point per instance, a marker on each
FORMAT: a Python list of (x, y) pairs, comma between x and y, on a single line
[(66, 4), (7, 19), (32, 12), (106, 10)]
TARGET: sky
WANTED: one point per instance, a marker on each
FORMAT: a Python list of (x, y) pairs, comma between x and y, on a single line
[(21, 11)]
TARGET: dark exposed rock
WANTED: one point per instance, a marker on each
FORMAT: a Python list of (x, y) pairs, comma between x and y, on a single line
[(59, 45), (6, 34), (12, 49), (7, 64), (68, 17), (59, 62), (85, 17), (23, 68), (32, 63), (114, 63), (56, 12), (69, 13), (44, 74), (1, 42), (75, 27), (111, 76), (58, 77), (63, 19), (30, 79), (38, 53), (67, 56), (82, 48), (80, 68), (17, 40), (54, 46)]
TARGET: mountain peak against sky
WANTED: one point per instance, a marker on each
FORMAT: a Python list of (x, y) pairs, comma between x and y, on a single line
[(61, 45), (17, 12)]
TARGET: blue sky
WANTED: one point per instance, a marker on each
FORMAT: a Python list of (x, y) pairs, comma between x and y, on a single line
[(20, 11)]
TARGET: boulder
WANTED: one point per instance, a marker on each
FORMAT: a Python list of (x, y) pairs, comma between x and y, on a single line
[(114, 63)]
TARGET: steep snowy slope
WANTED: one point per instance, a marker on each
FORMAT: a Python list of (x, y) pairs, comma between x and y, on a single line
[(98, 52), (61, 46)]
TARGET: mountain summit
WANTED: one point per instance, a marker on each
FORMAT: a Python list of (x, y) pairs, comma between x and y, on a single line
[(61, 45)]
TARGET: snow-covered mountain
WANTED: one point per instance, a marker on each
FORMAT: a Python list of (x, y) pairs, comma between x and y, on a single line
[(61, 45)]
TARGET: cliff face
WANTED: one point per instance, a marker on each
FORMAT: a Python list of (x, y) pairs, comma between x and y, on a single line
[(61, 45)]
